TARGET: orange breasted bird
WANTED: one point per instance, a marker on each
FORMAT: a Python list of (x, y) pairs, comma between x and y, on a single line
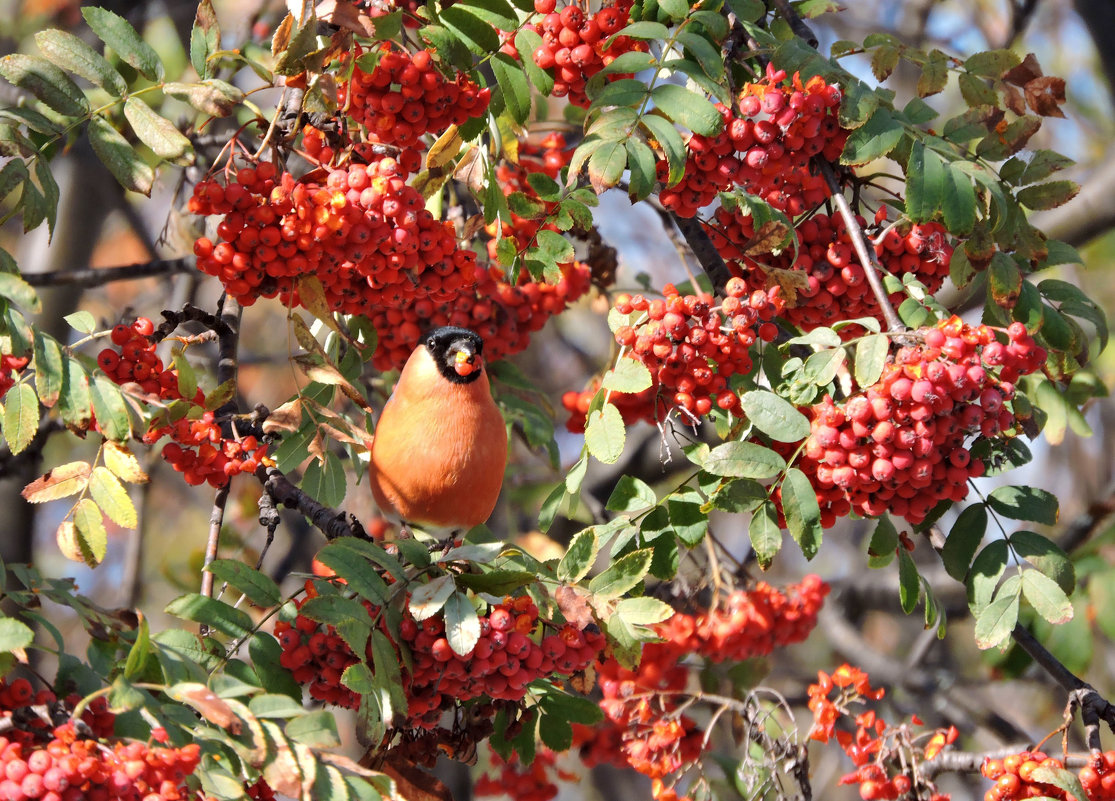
[(440, 447)]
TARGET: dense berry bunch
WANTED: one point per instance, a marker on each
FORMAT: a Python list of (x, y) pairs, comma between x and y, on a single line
[(766, 149), (1014, 777), (749, 623), (576, 45), (533, 782), (9, 367), (71, 768), (691, 347), (826, 281), (899, 446), (22, 725), (503, 314), (504, 661), (199, 449), (513, 178), (1098, 777), (500, 666), (406, 97)]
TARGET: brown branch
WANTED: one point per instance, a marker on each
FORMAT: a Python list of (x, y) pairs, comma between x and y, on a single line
[(796, 23), (191, 313), (333, 523), (865, 254), (86, 277), (703, 250), (971, 762)]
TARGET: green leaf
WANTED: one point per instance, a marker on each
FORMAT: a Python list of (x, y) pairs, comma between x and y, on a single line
[(992, 63), (116, 153), (622, 575), (687, 520), (872, 140), (645, 30), (629, 375), (1025, 503), (317, 729), (688, 108), (984, 574), (775, 416), (497, 13), (158, 133), (644, 611), (871, 358), (934, 74), (579, 558), (115, 32), (925, 183), (1004, 279), (213, 97), (352, 565), (50, 369), (325, 481), (1046, 596), (958, 201), (669, 139), (71, 53), (205, 37), (427, 599), (21, 417), (883, 62), (909, 585), (1059, 777), (213, 613), (14, 635), (1048, 195), (976, 92), (964, 540), (1046, 556), (1042, 165), (12, 175), (631, 495), (995, 623), (462, 624), (527, 42), (765, 534), (513, 82), (641, 162), (884, 543), (480, 37), (743, 460), (259, 588), (605, 434), (89, 530), (821, 367), (19, 292), (45, 81), (111, 496), (606, 165), (803, 515), (75, 403)]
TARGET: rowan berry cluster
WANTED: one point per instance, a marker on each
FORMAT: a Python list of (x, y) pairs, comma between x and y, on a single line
[(749, 623), (899, 446), (691, 347), (25, 726), (513, 178), (500, 666), (576, 45), (199, 449), (1014, 777), (826, 281), (883, 755), (406, 97), (503, 662), (1098, 777), (766, 149), (533, 782), (9, 368)]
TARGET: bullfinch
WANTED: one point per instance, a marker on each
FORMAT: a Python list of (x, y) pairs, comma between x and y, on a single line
[(440, 447)]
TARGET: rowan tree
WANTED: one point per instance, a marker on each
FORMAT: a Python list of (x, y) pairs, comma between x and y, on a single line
[(862, 318)]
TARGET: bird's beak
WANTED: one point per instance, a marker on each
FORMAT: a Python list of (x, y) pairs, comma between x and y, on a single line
[(465, 362)]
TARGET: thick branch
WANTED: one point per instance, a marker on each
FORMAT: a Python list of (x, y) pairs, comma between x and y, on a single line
[(191, 313), (705, 252), (96, 276), (333, 523)]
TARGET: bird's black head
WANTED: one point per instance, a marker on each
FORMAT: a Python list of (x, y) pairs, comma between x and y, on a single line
[(456, 352)]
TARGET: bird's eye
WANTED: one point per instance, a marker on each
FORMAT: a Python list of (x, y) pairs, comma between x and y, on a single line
[(430, 343)]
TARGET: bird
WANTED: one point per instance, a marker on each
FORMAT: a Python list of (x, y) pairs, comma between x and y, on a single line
[(439, 449)]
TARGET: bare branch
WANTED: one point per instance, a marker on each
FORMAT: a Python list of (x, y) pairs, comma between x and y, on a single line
[(333, 523), (86, 277)]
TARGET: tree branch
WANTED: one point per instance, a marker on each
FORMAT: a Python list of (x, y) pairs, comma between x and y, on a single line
[(797, 24), (333, 523), (86, 277), (703, 250)]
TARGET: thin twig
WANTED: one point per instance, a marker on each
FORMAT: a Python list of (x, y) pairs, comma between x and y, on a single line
[(333, 523), (796, 23), (86, 277)]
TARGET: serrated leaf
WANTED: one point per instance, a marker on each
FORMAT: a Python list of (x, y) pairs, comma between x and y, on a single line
[(45, 81), (688, 108), (1046, 556), (218, 615), (925, 183), (606, 165), (462, 625), (821, 367), (428, 599), (89, 528), (111, 496), (628, 376), (934, 74), (883, 61), (1004, 279), (205, 37), (258, 587), (61, 482), (116, 153), (984, 574), (641, 164), (631, 495), (872, 140), (71, 53), (212, 96), (605, 434), (14, 635), (669, 140), (644, 611), (513, 82), (765, 534), (21, 417), (992, 63), (871, 358), (115, 32), (1046, 596), (528, 41), (477, 35), (1048, 195), (743, 460), (964, 540), (884, 542), (622, 575), (49, 369), (324, 480), (995, 623), (317, 729), (775, 416), (579, 558), (12, 175), (123, 463), (802, 512), (1025, 503), (958, 201), (158, 133)]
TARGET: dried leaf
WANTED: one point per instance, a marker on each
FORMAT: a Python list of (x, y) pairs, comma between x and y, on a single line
[(287, 417), (770, 236), (414, 784), (211, 707), (1014, 99), (60, 482), (573, 604), (1046, 95), (790, 281), (1024, 72)]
